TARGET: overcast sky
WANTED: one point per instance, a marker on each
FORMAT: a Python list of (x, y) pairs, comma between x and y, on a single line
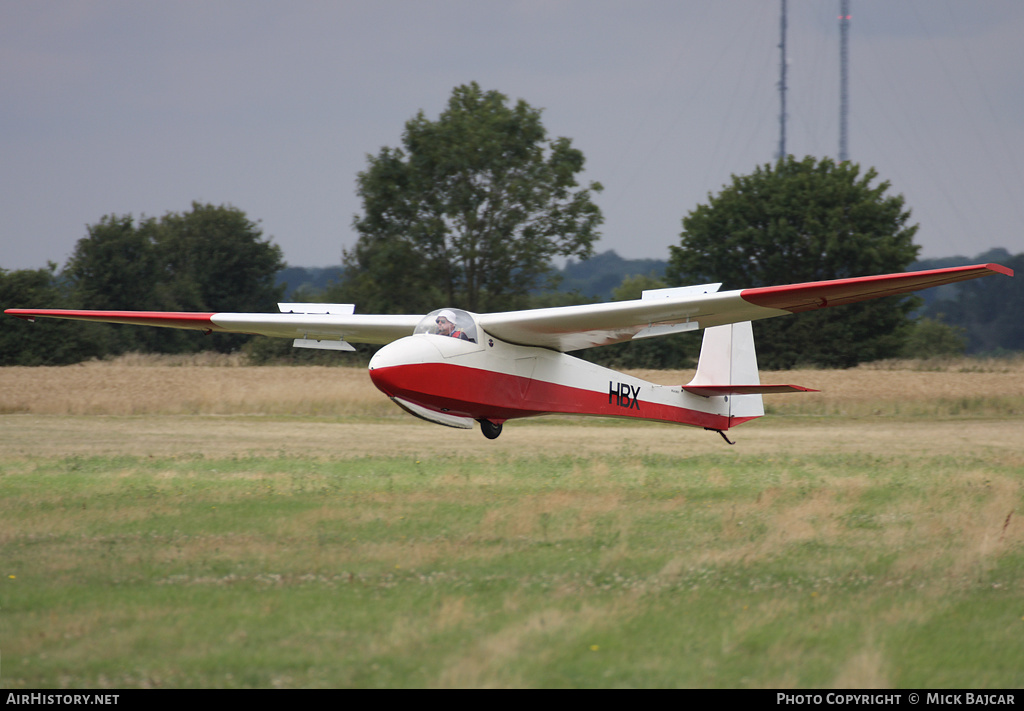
[(118, 107)]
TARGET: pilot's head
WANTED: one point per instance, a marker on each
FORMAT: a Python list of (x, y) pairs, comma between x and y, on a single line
[(445, 322)]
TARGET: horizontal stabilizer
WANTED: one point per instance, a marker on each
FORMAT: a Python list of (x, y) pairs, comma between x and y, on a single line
[(717, 390)]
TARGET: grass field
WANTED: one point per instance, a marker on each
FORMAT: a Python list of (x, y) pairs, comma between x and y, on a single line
[(206, 524)]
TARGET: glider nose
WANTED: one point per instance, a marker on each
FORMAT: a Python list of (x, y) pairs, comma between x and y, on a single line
[(388, 366)]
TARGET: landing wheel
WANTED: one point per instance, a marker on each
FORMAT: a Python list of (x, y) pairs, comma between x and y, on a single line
[(490, 429)]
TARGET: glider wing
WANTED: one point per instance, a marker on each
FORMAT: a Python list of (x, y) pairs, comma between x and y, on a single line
[(565, 328), (360, 328), (662, 311)]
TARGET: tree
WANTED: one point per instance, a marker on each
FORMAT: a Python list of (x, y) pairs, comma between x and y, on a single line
[(217, 260), (798, 221), (117, 266), (49, 341), (933, 339), (986, 311), (470, 211), (209, 259)]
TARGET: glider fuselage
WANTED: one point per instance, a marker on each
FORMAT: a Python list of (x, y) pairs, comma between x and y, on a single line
[(497, 381)]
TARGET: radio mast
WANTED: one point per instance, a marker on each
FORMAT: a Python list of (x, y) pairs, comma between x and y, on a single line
[(844, 99), (782, 85)]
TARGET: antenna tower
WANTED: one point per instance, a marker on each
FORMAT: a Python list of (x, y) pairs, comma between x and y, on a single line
[(782, 85), (844, 98)]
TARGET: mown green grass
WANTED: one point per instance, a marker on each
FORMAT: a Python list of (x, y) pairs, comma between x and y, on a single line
[(725, 570)]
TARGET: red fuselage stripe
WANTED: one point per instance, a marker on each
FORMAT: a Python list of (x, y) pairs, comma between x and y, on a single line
[(477, 393)]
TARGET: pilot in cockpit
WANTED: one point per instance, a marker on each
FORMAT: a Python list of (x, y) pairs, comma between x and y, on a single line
[(446, 326)]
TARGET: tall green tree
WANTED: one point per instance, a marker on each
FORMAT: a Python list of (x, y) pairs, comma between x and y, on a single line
[(216, 259), (805, 220), (117, 266), (211, 258), (470, 210)]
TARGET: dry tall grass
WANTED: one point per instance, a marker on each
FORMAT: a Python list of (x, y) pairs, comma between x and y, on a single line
[(146, 385), (222, 385), (222, 408)]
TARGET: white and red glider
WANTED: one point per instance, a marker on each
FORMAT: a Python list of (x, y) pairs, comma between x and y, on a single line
[(453, 367)]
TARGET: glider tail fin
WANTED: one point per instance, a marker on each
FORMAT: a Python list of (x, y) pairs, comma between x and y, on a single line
[(728, 368)]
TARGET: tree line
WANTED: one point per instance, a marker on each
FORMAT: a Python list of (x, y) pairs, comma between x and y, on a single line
[(472, 210), (211, 258)]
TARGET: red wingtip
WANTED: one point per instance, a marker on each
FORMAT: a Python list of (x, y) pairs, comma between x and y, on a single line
[(1000, 269), (816, 295), (171, 319)]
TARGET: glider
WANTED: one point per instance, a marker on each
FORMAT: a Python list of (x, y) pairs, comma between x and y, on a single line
[(454, 368)]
